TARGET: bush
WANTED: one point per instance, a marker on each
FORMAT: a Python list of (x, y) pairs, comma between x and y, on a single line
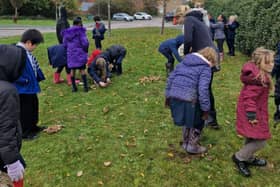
[(258, 21)]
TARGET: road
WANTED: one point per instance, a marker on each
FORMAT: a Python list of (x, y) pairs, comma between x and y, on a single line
[(11, 30)]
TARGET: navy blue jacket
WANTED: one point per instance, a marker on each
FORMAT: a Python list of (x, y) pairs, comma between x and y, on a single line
[(57, 55), (230, 30), (172, 46), (115, 54), (93, 70), (99, 33)]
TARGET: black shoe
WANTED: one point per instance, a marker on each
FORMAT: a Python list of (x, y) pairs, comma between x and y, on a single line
[(74, 89), (38, 129), (29, 136), (213, 125), (242, 166), (257, 162)]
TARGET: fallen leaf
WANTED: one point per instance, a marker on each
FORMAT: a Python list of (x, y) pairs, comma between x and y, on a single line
[(80, 173), (142, 174), (171, 155), (100, 183), (53, 129), (107, 164), (106, 109)]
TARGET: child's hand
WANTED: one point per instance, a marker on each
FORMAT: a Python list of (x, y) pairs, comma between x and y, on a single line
[(103, 84), (253, 122)]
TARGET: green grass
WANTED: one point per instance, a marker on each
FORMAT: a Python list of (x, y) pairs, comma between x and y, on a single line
[(137, 134)]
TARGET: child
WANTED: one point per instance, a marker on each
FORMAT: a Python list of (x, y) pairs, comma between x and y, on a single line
[(252, 109), (276, 74), (61, 25), (76, 43), (98, 32), (168, 48), (99, 71), (187, 95), (28, 85), (93, 55), (12, 63), (231, 27), (219, 34), (114, 55)]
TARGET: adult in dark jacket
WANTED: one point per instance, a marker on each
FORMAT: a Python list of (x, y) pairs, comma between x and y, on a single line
[(98, 32), (231, 27), (276, 74), (196, 37), (12, 62), (61, 25), (115, 55), (168, 48)]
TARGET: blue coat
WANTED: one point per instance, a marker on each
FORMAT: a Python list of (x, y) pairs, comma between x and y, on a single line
[(99, 33), (28, 83), (172, 46), (57, 55), (190, 81)]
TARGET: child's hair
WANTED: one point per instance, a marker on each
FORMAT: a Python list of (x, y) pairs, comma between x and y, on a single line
[(32, 35), (101, 64), (182, 10), (5, 180), (260, 57), (77, 21), (96, 18), (210, 54)]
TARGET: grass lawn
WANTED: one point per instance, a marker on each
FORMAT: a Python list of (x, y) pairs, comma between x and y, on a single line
[(137, 134)]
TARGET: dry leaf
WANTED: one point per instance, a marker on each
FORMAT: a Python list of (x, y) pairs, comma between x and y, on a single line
[(100, 183), (148, 79), (106, 109), (171, 155), (53, 129), (80, 173), (142, 174), (107, 164)]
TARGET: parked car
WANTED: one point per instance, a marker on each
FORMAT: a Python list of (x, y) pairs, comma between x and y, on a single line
[(142, 15), (122, 17), (169, 16)]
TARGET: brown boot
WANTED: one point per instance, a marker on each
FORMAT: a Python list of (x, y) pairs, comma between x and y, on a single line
[(193, 146)]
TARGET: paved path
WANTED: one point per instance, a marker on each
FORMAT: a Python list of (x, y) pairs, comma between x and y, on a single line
[(12, 30)]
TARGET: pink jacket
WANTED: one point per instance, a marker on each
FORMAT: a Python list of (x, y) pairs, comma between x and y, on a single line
[(253, 98)]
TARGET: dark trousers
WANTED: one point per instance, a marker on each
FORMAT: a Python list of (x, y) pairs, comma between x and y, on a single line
[(98, 43), (29, 112), (60, 68), (220, 44), (230, 43), (168, 55)]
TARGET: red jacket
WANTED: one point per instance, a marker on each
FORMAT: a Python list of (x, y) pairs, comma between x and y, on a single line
[(253, 98), (94, 54)]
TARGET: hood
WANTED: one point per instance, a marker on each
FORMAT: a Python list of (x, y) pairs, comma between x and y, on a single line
[(72, 32), (249, 74), (12, 62), (195, 59), (196, 13)]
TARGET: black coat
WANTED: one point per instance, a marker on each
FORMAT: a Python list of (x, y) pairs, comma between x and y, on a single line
[(61, 24), (12, 61), (114, 52)]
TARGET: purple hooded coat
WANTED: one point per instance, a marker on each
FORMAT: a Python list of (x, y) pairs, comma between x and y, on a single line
[(253, 98), (190, 81), (76, 42)]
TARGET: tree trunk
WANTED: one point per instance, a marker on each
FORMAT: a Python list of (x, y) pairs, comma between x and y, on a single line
[(16, 15), (109, 17), (163, 15)]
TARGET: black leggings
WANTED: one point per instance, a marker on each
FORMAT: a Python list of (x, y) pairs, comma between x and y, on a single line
[(60, 68), (220, 44)]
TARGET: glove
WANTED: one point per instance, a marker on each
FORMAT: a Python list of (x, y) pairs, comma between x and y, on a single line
[(205, 115), (252, 117), (15, 171), (167, 102)]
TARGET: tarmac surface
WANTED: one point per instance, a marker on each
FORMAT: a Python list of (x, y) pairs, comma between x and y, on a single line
[(15, 30)]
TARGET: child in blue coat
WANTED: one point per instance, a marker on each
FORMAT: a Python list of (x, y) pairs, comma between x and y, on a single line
[(187, 94), (168, 48), (98, 32)]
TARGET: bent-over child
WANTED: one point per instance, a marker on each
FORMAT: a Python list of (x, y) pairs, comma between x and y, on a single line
[(252, 109), (187, 94)]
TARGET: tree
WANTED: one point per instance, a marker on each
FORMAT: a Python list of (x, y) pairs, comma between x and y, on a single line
[(17, 4), (164, 12)]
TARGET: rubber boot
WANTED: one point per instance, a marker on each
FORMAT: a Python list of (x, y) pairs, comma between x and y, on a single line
[(56, 78), (74, 87), (193, 146), (185, 133), (69, 82), (221, 56), (169, 68), (84, 77)]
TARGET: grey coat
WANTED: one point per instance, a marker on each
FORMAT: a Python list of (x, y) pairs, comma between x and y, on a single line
[(219, 30)]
